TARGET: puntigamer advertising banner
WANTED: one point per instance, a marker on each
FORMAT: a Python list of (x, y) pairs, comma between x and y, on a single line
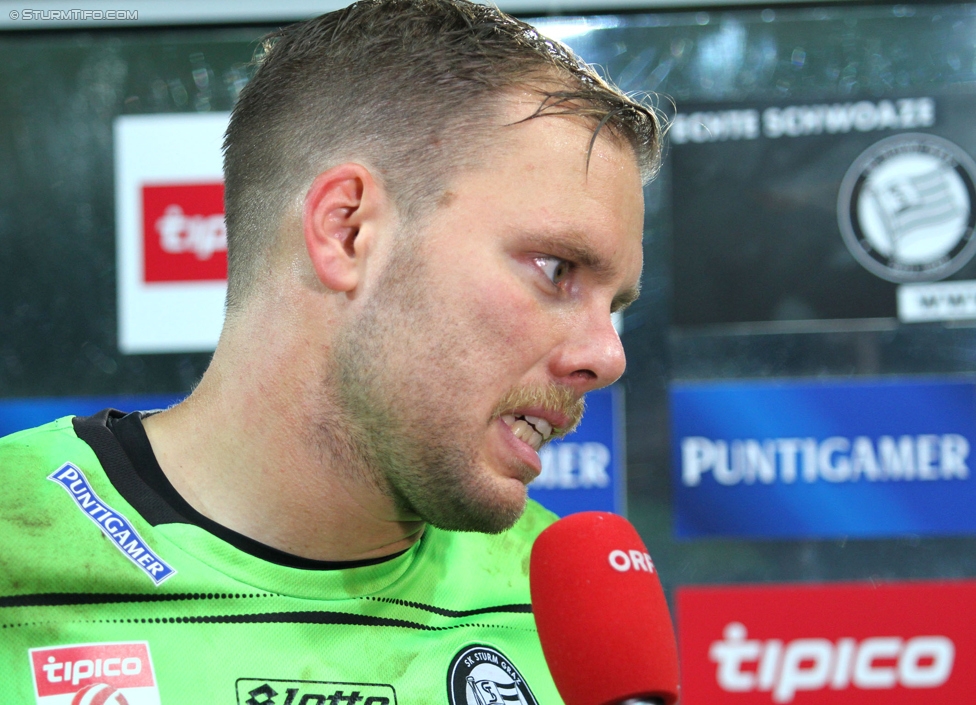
[(585, 471), (816, 459)]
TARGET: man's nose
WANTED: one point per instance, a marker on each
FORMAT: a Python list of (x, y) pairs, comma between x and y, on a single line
[(591, 356)]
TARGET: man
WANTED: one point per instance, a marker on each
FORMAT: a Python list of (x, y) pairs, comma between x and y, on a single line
[(432, 212)]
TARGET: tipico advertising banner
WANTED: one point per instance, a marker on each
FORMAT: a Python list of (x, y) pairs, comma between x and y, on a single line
[(585, 471), (171, 241), (863, 644), (819, 459)]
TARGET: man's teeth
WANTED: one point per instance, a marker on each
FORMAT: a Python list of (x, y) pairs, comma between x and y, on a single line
[(531, 429), (541, 425)]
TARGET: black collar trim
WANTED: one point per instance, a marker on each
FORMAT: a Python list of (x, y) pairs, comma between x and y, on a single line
[(122, 447)]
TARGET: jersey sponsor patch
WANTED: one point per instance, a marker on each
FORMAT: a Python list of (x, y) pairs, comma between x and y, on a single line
[(482, 675), (119, 673), (112, 523), (265, 691)]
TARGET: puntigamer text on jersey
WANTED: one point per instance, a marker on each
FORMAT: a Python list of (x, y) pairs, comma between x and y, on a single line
[(112, 523)]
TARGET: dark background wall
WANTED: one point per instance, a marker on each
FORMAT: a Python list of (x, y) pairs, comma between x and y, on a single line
[(61, 90)]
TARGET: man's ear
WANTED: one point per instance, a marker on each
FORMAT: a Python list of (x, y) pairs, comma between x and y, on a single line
[(339, 208)]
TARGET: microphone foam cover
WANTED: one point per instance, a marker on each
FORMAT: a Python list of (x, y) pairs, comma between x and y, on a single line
[(600, 611)]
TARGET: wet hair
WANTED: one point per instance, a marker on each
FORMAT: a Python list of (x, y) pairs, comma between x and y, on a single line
[(408, 88)]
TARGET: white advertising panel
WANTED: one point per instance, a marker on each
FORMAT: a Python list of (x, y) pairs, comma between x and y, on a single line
[(171, 244)]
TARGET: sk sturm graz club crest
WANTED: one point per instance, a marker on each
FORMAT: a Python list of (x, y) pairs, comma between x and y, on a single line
[(481, 675), (906, 208)]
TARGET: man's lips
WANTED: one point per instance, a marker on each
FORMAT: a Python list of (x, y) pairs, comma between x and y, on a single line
[(523, 450)]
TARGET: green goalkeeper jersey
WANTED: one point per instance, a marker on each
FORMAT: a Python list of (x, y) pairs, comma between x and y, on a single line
[(114, 591)]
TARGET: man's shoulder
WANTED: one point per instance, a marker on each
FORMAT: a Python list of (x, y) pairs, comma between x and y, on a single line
[(58, 507), (32, 516), (28, 458), (39, 448)]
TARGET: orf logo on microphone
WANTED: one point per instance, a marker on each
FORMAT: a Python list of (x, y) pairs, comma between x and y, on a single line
[(85, 674), (622, 561)]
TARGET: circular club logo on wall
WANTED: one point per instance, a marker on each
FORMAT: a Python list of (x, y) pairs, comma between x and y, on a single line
[(482, 675), (906, 208)]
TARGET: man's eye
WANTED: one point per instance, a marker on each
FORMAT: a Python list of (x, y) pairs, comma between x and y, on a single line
[(554, 268)]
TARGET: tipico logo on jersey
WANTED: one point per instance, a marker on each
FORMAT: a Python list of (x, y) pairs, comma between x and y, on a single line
[(184, 236), (866, 644), (264, 691), (113, 524), (94, 674), (906, 208), (482, 675)]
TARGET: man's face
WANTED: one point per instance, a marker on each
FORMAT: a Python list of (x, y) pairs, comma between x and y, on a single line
[(494, 310)]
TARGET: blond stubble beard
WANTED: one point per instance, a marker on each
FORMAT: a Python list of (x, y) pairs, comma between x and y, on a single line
[(388, 431), (392, 434)]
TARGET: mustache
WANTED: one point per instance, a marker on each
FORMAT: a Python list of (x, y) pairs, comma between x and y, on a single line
[(552, 397)]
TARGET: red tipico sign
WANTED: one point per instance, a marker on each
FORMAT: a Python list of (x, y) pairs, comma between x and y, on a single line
[(93, 669), (883, 644), (184, 236)]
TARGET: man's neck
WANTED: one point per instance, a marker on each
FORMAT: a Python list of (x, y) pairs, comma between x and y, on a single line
[(246, 451)]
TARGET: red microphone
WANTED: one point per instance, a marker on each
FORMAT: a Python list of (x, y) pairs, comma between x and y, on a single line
[(601, 614)]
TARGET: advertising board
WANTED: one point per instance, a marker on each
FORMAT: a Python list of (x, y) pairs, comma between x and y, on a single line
[(833, 458), (870, 644), (171, 243)]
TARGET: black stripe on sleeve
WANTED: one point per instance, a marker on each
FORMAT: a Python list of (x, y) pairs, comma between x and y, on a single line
[(313, 617), (444, 612), (302, 617), (67, 599)]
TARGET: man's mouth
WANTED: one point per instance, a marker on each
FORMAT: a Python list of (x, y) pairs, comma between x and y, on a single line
[(531, 429)]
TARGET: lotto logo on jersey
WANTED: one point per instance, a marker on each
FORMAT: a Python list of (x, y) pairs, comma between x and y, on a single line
[(262, 691), (828, 645), (94, 674), (184, 236)]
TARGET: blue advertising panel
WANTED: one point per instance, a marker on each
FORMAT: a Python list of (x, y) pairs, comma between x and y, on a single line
[(818, 459), (18, 414), (585, 470)]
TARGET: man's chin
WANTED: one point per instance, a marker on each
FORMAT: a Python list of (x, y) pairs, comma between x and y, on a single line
[(483, 512), (486, 523)]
